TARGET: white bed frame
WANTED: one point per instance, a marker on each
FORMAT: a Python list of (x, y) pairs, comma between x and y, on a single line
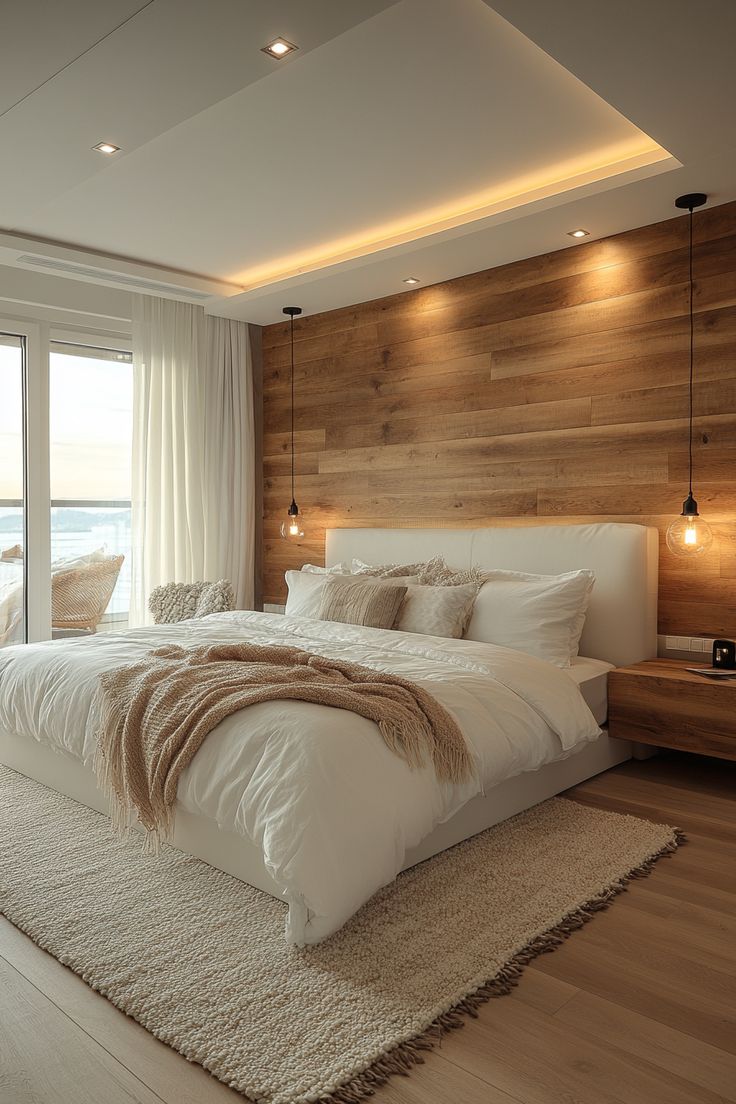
[(620, 628)]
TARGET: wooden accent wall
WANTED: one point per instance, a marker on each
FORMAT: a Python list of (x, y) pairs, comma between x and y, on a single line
[(549, 390)]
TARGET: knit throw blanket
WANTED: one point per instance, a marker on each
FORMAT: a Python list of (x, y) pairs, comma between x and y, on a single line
[(155, 715)]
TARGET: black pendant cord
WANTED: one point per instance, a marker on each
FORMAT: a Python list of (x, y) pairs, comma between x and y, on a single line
[(292, 311), (692, 344), (292, 497)]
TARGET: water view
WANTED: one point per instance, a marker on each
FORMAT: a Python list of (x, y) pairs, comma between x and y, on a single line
[(77, 531)]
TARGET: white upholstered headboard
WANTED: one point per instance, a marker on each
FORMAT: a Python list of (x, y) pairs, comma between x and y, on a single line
[(621, 625)]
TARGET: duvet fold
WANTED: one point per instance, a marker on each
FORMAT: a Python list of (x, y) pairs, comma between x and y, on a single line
[(156, 714)]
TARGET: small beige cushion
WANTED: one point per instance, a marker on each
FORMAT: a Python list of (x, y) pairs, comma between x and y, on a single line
[(361, 604), (437, 610)]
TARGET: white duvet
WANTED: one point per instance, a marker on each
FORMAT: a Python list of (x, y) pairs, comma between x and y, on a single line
[(332, 808)]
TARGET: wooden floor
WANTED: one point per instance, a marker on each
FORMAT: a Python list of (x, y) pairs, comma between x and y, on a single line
[(639, 1007)]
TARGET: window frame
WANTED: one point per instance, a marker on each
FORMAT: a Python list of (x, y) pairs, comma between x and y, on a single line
[(36, 489)]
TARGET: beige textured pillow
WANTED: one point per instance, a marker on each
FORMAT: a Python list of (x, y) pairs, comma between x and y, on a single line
[(434, 572), (437, 610), (361, 604), (338, 569), (437, 573), (386, 571)]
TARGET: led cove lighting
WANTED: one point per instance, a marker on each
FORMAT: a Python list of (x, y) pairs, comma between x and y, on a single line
[(411, 280), (279, 48), (578, 233), (615, 161), (106, 147)]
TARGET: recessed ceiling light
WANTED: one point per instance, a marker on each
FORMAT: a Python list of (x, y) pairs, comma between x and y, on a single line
[(411, 280), (106, 147), (578, 233), (279, 48)]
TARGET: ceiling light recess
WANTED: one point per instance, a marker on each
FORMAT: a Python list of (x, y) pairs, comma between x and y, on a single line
[(578, 233), (106, 147), (411, 280), (279, 48)]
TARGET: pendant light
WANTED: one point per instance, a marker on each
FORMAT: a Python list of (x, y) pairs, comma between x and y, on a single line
[(291, 529), (689, 535)]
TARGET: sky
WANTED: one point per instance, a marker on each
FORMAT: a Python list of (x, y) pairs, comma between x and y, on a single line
[(91, 426)]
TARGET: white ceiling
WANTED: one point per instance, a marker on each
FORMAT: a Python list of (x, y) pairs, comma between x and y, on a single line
[(412, 138)]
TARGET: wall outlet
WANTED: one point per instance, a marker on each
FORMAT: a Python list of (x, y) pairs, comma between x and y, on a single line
[(686, 645)]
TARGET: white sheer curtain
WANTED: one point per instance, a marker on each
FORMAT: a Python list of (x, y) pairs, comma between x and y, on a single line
[(193, 451)]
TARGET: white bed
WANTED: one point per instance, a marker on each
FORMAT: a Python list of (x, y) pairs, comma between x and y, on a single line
[(369, 814)]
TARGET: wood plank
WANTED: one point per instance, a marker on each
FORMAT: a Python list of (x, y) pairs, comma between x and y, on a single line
[(654, 403), (700, 1004), (527, 418), (46, 1057), (660, 437), (534, 1057), (717, 501), (671, 1051), (664, 335)]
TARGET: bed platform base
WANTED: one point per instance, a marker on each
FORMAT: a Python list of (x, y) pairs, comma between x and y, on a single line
[(235, 855)]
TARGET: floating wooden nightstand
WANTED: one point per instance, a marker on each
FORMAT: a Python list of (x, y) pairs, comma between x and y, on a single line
[(660, 702)]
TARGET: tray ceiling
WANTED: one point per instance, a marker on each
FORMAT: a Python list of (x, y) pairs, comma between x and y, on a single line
[(402, 136)]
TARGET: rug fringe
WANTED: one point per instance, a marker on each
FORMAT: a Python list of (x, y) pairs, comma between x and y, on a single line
[(403, 1058)]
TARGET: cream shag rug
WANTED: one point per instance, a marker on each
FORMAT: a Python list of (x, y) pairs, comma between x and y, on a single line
[(200, 960)]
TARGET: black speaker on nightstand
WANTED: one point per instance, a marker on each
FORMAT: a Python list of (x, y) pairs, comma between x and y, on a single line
[(724, 654)]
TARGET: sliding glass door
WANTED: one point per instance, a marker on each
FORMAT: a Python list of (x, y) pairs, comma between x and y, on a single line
[(66, 427), (13, 619), (91, 431)]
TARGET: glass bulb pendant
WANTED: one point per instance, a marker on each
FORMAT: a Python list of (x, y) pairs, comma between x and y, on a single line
[(689, 535), (291, 529)]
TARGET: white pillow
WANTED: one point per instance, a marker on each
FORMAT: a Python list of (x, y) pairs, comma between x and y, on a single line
[(542, 615), (436, 610), (305, 593), (338, 569), (70, 563)]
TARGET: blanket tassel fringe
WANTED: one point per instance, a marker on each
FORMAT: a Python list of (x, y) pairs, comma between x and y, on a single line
[(403, 1058)]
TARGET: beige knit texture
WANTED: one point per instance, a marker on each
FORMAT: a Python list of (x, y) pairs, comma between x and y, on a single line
[(434, 572), (362, 604), (200, 959), (172, 602), (155, 715)]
